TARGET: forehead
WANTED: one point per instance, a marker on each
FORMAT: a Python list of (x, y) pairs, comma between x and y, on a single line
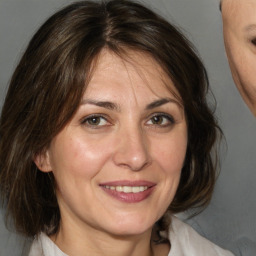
[(132, 69), (239, 12), (237, 3)]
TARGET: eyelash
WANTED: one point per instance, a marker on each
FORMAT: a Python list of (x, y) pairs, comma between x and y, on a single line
[(99, 117)]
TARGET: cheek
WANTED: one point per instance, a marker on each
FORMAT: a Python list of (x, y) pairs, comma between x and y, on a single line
[(234, 49), (247, 66), (239, 65), (243, 71), (170, 155), (76, 157), (242, 60)]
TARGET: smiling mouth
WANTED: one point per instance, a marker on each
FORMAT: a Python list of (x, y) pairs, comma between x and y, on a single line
[(127, 189)]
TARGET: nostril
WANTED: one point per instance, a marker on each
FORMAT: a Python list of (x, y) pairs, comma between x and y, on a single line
[(130, 160)]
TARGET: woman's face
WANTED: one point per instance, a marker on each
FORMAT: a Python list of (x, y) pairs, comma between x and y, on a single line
[(239, 28), (117, 163)]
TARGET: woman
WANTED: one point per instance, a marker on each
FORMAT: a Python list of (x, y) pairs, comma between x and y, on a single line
[(106, 133)]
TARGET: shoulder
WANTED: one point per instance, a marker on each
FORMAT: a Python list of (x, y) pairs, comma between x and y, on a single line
[(186, 241), (36, 247), (43, 246)]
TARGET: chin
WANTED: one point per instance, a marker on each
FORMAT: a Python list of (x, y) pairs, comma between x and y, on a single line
[(131, 228), (131, 231)]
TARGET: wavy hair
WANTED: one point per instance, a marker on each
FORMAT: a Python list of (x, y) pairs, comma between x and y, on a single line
[(47, 86)]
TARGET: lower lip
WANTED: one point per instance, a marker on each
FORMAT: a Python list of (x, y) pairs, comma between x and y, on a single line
[(129, 197)]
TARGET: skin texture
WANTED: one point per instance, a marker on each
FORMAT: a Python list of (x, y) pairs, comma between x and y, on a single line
[(125, 144), (239, 28)]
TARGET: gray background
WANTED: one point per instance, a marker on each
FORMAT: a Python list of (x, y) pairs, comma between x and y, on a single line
[(230, 218)]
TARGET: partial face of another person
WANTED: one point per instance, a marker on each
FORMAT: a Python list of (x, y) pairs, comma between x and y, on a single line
[(239, 27), (118, 162)]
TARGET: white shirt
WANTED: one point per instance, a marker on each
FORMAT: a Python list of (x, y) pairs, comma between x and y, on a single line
[(185, 241)]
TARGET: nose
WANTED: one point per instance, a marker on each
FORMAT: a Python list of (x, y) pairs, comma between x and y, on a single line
[(132, 150)]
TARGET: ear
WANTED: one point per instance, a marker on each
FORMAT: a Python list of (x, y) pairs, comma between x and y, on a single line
[(42, 162)]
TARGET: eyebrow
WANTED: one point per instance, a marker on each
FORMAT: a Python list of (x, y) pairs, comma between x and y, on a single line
[(112, 106), (103, 104), (161, 102)]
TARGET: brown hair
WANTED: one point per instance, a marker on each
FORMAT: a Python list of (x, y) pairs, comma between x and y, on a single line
[(47, 86)]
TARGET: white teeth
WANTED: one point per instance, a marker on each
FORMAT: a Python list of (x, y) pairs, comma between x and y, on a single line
[(127, 189), (119, 189), (136, 189)]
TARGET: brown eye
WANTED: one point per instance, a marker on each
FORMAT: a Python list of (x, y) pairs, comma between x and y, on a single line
[(95, 121), (161, 120), (157, 120)]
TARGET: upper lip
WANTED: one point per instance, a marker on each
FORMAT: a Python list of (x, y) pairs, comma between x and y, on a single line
[(130, 183)]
